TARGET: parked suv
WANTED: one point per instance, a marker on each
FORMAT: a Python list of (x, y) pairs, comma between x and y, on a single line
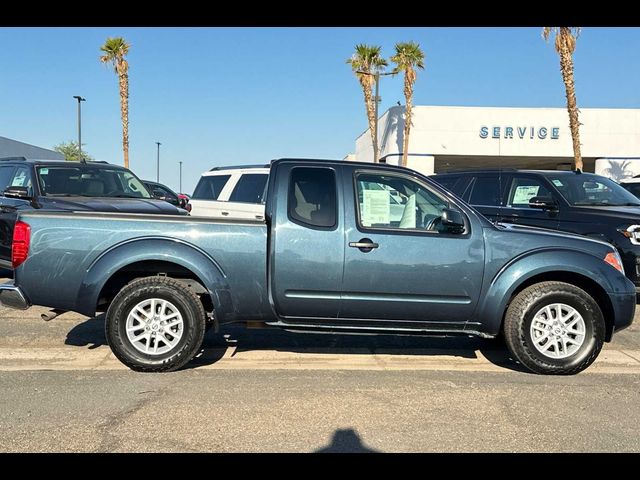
[(582, 203), (59, 185), (231, 192), (632, 185)]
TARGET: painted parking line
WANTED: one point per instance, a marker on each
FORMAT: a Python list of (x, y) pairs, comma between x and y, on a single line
[(229, 358)]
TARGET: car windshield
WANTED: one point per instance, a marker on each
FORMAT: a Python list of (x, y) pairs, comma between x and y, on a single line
[(593, 190), (72, 181)]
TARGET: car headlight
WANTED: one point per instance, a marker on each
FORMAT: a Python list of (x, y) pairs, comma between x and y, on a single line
[(632, 232)]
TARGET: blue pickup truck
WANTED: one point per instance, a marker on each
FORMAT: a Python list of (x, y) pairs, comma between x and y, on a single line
[(345, 247)]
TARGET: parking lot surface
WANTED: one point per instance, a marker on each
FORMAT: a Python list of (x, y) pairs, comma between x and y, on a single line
[(262, 390)]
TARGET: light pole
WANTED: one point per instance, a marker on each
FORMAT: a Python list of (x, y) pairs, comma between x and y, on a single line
[(158, 165), (377, 99), (180, 191), (80, 99)]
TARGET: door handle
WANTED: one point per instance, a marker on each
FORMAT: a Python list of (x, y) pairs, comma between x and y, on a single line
[(364, 245), (259, 217), (225, 213)]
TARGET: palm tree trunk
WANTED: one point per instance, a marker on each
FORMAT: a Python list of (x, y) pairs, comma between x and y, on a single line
[(409, 78), (371, 113), (124, 112), (566, 67)]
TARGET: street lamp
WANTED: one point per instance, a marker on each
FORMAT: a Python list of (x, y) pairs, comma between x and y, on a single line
[(180, 191), (376, 75), (80, 99), (158, 165)]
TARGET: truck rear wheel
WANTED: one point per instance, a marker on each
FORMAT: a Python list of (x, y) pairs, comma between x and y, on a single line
[(155, 324), (554, 328)]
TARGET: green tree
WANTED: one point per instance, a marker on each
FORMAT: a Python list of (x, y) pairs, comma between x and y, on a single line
[(114, 52), (565, 46), (408, 58), (71, 152), (365, 63)]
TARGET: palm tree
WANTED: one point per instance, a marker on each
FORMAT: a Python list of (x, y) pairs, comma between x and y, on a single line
[(114, 52), (408, 57), (565, 46), (366, 62)]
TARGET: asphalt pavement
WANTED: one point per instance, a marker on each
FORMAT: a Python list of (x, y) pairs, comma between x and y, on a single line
[(266, 390)]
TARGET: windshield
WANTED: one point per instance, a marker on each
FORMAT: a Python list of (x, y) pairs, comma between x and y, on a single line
[(71, 181), (592, 190)]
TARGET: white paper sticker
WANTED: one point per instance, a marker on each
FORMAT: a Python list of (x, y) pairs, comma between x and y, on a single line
[(524, 193), (376, 208)]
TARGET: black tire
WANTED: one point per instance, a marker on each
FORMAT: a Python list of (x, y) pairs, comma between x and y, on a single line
[(186, 302), (520, 314)]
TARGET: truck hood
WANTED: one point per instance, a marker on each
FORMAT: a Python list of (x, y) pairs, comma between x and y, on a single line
[(112, 204), (549, 233), (624, 214)]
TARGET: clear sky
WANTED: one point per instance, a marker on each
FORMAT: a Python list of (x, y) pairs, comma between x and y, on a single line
[(224, 96)]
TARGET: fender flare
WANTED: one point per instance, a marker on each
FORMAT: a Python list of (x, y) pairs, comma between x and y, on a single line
[(165, 249), (524, 267)]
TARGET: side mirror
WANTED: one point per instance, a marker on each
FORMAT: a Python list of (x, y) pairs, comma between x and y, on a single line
[(17, 192), (453, 220), (158, 195), (543, 203)]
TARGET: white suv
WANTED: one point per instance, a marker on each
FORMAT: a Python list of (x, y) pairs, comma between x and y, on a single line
[(231, 192)]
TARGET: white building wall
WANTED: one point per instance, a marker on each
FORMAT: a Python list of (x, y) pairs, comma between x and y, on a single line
[(456, 131)]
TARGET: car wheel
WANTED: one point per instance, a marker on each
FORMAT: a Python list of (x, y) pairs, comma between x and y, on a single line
[(155, 324), (554, 328)]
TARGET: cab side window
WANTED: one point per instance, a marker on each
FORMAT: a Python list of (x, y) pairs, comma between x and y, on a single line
[(312, 197), (396, 202)]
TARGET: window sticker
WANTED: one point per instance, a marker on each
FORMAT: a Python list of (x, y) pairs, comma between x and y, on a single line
[(376, 208), (557, 183), (524, 193), (18, 181), (44, 171)]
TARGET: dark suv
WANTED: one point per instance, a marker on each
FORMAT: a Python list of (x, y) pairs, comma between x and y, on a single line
[(59, 185), (581, 203)]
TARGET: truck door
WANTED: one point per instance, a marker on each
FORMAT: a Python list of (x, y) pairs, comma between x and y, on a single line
[(306, 241), (400, 263)]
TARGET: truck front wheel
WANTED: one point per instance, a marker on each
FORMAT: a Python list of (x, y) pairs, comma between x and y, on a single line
[(155, 324), (554, 328)]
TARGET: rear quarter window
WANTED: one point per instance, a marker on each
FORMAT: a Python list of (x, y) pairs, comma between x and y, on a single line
[(485, 191), (250, 188), (209, 187)]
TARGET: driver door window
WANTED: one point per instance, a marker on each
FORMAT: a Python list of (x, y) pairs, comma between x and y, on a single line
[(395, 202), (523, 189), (21, 178)]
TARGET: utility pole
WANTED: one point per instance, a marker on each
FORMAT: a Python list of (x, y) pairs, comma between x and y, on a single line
[(158, 164), (80, 99)]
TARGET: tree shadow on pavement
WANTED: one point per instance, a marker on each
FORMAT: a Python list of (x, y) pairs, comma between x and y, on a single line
[(244, 340), (89, 333), (346, 441)]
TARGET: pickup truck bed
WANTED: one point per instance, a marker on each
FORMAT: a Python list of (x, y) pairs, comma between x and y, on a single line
[(75, 262)]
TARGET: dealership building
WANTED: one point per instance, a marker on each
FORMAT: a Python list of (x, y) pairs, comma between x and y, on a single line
[(455, 138)]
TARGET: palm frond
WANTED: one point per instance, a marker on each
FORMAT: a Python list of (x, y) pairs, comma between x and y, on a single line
[(366, 58), (408, 55)]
